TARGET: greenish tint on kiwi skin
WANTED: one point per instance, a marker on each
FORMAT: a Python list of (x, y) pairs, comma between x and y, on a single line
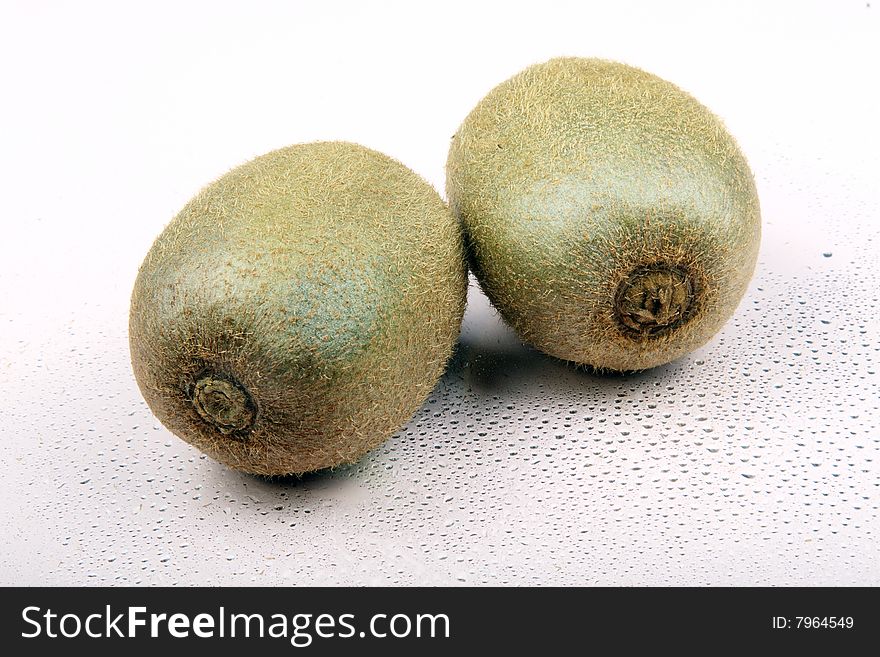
[(575, 175), (299, 309)]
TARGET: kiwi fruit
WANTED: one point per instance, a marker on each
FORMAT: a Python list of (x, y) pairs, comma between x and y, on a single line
[(299, 309), (610, 217)]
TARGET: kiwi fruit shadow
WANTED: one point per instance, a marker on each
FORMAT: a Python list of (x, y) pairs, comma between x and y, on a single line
[(490, 357), (489, 360)]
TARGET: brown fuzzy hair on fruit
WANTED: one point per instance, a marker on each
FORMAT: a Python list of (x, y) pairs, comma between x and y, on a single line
[(298, 310), (610, 217)]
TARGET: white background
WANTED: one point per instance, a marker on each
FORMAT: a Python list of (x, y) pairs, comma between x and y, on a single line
[(752, 461)]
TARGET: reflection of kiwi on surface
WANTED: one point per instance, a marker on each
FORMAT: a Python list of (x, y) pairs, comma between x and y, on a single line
[(610, 217), (299, 309)]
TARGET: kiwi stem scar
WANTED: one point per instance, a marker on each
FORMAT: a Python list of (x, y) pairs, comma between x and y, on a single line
[(654, 299), (224, 403)]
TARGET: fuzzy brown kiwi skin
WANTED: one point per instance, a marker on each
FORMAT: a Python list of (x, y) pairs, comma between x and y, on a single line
[(280, 323), (610, 217), (655, 299)]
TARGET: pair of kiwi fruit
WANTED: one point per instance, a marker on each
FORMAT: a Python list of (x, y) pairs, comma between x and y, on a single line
[(298, 310)]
